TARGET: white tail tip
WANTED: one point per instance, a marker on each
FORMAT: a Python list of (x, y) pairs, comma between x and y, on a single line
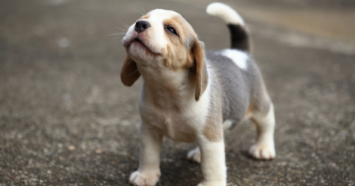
[(225, 12)]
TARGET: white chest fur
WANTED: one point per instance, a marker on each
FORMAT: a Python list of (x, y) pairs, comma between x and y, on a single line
[(175, 113)]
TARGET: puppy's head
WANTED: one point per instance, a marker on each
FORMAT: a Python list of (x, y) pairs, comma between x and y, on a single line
[(165, 41)]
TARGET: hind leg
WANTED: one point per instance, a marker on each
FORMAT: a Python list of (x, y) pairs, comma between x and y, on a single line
[(264, 148)]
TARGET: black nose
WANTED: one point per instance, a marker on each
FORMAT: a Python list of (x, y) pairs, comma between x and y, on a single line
[(141, 26)]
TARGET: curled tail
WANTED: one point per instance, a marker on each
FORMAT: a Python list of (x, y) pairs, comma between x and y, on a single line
[(235, 23)]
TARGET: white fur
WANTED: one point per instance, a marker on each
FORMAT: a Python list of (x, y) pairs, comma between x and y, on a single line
[(213, 164), (238, 57), (227, 124), (148, 172), (194, 155), (264, 148), (225, 12), (129, 34)]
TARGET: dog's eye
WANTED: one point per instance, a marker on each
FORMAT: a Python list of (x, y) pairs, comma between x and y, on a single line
[(170, 29)]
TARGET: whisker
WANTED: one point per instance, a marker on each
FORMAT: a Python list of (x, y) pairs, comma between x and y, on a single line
[(119, 37), (122, 29), (144, 12), (117, 34), (125, 25), (139, 12)]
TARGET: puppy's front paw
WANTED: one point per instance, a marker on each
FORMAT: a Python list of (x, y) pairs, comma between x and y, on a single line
[(221, 183), (194, 155), (263, 150), (144, 179)]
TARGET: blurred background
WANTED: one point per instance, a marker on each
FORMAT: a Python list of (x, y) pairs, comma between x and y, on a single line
[(66, 118)]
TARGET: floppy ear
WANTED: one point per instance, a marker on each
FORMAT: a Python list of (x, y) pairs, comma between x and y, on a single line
[(200, 68), (129, 72)]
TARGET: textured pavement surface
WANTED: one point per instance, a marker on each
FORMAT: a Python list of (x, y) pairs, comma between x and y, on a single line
[(66, 118)]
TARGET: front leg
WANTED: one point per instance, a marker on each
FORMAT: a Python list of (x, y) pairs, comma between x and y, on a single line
[(213, 163), (148, 172)]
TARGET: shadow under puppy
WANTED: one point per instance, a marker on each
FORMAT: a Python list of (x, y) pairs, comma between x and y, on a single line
[(191, 95)]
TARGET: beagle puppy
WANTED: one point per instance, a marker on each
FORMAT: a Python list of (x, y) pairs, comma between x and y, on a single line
[(191, 95)]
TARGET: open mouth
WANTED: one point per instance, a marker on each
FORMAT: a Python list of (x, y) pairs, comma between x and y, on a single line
[(140, 42)]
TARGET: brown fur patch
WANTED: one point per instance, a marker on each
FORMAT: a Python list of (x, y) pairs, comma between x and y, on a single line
[(145, 16), (182, 28), (178, 58), (201, 69), (258, 129), (258, 106), (129, 72), (213, 130), (249, 111)]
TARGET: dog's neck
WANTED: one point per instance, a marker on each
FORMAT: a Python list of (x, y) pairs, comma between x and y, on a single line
[(167, 88)]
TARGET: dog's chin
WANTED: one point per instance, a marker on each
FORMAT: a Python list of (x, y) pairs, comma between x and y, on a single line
[(139, 54)]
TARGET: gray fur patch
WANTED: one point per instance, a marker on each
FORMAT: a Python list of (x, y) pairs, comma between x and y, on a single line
[(238, 89)]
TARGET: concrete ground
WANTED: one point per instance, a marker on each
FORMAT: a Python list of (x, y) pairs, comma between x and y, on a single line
[(66, 118)]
